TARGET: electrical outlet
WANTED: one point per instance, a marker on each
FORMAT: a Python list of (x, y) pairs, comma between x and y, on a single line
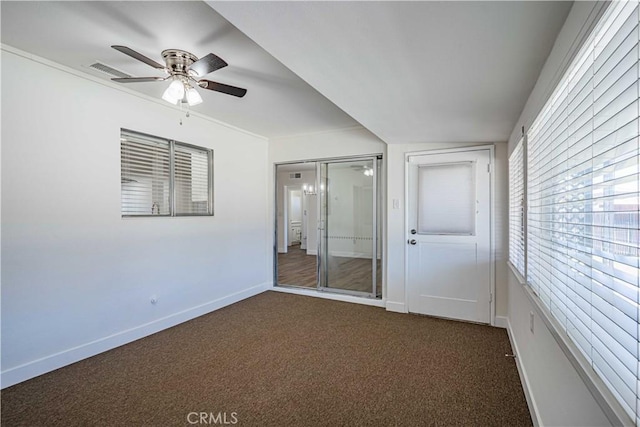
[(531, 318)]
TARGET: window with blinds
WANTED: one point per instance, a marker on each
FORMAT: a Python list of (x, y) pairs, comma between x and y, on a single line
[(583, 203), (516, 208), (161, 177), (446, 199), (144, 177)]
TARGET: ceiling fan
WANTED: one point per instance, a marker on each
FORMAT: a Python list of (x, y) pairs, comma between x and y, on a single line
[(184, 69)]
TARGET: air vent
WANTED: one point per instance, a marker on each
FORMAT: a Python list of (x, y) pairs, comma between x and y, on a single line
[(296, 175), (108, 70)]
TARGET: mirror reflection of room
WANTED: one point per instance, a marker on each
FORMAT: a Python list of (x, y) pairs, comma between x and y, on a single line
[(297, 224), (328, 228), (347, 235)]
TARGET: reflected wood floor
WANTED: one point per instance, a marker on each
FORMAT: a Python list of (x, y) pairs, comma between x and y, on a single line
[(296, 268)]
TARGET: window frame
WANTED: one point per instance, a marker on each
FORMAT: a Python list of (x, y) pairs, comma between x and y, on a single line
[(172, 144)]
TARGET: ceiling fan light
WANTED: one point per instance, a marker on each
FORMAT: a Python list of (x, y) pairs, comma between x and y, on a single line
[(167, 96), (193, 97), (174, 93)]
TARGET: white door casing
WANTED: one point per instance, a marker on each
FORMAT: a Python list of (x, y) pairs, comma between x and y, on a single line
[(449, 272)]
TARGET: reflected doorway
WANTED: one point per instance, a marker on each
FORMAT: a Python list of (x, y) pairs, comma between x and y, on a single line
[(328, 226)]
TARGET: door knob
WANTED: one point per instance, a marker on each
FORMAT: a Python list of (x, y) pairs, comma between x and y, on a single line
[(413, 231), (412, 242)]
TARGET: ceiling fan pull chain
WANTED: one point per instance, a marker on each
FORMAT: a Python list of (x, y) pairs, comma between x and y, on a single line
[(184, 107)]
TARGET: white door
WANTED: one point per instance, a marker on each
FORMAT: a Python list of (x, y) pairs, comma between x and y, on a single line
[(448, 235)]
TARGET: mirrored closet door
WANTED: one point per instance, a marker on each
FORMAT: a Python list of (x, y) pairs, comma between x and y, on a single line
[(328, 226)]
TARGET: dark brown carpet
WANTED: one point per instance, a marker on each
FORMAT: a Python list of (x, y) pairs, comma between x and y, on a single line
[(287, 360)]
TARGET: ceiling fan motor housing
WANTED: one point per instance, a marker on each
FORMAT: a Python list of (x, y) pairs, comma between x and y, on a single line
[(178, 61)]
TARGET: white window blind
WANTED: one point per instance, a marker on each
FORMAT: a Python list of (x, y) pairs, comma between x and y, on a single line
[(583, 203), (164, 177), (144, 175), (447, 199), (191, 176), (516, 208)]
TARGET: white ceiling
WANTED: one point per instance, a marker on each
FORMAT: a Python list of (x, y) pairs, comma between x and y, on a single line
[(412, 71), (77, 34), (407, 71)]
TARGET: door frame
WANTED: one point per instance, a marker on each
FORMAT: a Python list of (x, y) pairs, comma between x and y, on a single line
[(492, 228)]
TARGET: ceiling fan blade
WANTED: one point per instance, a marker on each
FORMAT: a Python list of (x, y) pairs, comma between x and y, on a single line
[(221, 87), (140, 57), (137, 79), (207, 64)]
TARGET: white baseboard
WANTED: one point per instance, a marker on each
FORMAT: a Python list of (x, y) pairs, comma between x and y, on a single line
[(501, 322), (326, 295), (398, 307), (312, 252), (49, 363), (348, 254), (524, 379)]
